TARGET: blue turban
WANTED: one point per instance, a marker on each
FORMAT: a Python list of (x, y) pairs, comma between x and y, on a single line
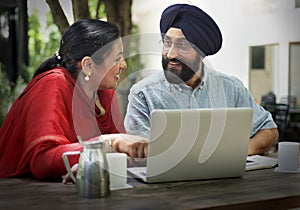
[(197, 26)]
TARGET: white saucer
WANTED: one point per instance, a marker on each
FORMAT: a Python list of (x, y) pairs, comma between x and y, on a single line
[(284, 171), (126, 186)]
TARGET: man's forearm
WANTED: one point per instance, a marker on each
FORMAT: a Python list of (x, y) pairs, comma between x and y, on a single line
[(262, 141)]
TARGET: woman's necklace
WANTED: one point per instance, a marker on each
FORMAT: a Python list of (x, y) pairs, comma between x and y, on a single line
[(100, 107)]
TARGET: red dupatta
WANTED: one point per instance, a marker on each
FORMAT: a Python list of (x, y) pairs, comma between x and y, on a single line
[(41, 121)]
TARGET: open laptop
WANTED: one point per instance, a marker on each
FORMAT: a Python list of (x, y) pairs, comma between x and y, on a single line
[(194, 144)]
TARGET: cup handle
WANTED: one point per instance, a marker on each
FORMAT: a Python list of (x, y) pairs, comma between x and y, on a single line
[(67, 164)]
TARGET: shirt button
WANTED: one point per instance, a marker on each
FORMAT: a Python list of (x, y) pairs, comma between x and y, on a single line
[(193, 96)]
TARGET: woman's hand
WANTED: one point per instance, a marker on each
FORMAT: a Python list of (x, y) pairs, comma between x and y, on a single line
[(67, 178), (133, 146)]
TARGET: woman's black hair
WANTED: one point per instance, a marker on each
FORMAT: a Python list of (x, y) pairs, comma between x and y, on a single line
[(83, 38)]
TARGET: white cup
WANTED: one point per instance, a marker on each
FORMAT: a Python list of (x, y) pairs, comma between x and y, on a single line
[(288, 156), (117, 165)]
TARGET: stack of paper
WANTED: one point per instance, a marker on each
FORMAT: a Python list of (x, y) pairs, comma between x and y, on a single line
[(256, 162)]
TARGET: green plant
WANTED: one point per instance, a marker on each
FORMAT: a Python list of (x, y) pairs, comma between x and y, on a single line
[(8, 93), (41, 45)]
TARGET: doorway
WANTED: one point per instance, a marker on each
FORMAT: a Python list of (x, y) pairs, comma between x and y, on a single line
[(294, 71), (263, 62)]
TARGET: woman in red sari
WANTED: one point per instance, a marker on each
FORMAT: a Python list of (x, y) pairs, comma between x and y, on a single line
[(72, 94)]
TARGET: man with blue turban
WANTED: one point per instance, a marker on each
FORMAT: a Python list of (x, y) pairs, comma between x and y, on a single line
[(188, 35)]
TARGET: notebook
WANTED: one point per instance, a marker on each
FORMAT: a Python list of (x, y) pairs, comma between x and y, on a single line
[(196, 144), (257, 162)]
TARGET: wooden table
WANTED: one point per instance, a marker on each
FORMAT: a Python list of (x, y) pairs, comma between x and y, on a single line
[(261, 189)]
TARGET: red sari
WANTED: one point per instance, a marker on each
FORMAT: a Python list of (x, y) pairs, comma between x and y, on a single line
[(46, 119)]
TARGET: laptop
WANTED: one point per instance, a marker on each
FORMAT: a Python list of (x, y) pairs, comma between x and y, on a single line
[(196, 144)]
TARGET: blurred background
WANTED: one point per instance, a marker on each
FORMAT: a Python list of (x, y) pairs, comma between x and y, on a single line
[(261, 44)]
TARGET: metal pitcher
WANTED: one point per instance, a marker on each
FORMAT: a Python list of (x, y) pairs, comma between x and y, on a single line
[(92, 178)]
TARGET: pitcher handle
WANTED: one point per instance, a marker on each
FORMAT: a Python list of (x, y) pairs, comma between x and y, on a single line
[(67, 164)]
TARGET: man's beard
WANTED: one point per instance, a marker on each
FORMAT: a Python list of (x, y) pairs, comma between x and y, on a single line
[(180, 76)]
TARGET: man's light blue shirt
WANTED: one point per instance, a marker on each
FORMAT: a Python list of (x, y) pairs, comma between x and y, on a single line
[(216, 90)]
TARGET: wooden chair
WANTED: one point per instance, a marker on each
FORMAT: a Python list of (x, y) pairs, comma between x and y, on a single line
[(280, 115), (281, 118), (290, 100)]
